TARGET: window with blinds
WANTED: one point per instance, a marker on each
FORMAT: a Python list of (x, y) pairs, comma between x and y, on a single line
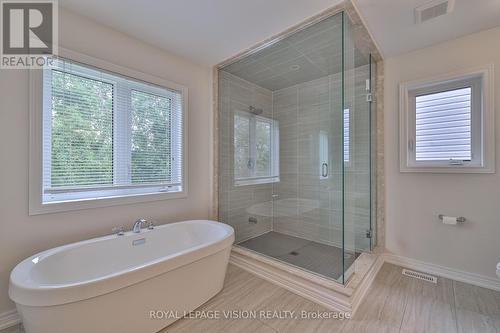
[(107, 135), (347, 135), (444, 126)]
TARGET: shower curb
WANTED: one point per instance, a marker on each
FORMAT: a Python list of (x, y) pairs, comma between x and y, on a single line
[(323, 291)]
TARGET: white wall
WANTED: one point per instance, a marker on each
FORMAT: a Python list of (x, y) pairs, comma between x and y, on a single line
[(414, 200), (22, 235)]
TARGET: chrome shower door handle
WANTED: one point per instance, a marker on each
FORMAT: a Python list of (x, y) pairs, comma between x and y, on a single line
[(324, 170), (250, 164)]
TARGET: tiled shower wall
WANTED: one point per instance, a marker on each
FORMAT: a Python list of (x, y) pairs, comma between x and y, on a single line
[(306, 206), (238, 203)]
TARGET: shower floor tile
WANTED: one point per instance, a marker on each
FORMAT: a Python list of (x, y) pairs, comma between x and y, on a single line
[(315, 257), (274, 244)]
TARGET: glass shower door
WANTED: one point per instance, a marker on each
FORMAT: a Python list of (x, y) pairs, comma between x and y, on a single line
[(308, 198)]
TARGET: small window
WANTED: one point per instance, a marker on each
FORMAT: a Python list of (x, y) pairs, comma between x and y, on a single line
[(324, 156), (445, 125), (107, 136), (347, 135), (443, 129), (256, 152)]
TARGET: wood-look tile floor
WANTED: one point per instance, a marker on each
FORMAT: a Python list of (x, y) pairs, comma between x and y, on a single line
[(395, 303)]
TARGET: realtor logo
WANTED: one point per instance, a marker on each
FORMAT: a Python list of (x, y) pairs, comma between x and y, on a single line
[(29, 33)]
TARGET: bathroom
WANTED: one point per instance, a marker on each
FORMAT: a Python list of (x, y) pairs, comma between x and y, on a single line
[(234, 176)]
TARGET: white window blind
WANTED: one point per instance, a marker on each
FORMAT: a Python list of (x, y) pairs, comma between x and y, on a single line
[(81, 128), (347, 134), (444, 126), (256, 152), (107, 135)]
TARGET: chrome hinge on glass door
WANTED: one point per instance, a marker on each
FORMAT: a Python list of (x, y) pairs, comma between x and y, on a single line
[(369, 233), (369, 97)]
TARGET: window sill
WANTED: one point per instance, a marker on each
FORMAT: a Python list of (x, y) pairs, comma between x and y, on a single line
[(37, 208), (446, 169), (259, 181)]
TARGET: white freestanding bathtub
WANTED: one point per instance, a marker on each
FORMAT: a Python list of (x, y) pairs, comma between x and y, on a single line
[(113, 283)]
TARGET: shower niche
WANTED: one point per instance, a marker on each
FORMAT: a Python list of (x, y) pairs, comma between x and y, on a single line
[(295, 149)]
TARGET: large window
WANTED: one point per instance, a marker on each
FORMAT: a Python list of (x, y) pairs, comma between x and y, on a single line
[(105, 135), (256, 152), (446, 124)]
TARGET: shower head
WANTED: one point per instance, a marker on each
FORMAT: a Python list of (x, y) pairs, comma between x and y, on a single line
[(254, 110)]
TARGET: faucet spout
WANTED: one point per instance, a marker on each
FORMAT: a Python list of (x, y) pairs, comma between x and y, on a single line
[(138, 225)]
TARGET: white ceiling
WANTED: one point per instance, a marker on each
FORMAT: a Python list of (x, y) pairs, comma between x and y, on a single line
[(392, 22), (204, 31), (210, 31)]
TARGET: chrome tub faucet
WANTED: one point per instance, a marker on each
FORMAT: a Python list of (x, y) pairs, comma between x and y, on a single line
[(139, 223)]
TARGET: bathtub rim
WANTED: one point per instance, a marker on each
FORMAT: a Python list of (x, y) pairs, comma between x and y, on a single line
[(58, 294)]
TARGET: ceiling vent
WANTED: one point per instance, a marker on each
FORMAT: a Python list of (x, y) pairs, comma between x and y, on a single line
[(433, 9)]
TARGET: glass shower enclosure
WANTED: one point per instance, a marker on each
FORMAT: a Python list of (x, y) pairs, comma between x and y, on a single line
[(295, 149)]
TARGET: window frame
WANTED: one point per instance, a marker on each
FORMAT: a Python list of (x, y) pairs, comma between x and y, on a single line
[(36, 119), (482, 121), (274, 152)]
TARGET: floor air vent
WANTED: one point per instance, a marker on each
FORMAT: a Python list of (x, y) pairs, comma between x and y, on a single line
[(420, 276)]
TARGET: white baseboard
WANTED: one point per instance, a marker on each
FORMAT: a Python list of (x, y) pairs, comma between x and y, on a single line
[(446, 272), (9, 319)]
